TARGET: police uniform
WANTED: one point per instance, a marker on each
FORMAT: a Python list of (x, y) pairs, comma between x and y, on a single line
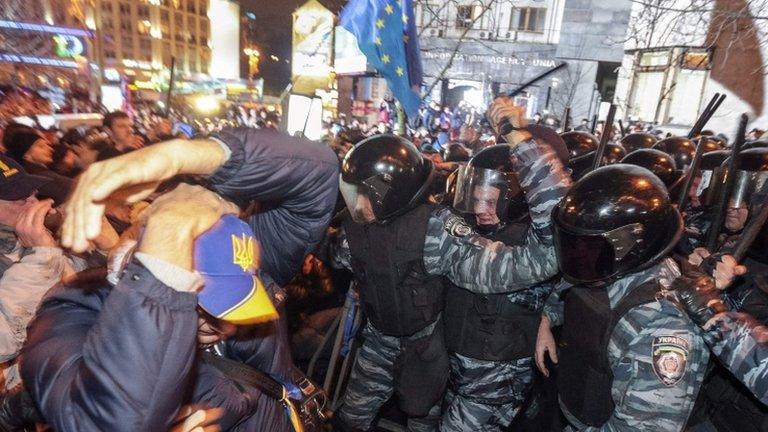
[(491, 340), (741, 345), (646, 374), (630, 358), (413, 251)]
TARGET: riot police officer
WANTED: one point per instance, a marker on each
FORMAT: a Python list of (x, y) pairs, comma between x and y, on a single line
[(630, 359), (400, 246), (490, 337)]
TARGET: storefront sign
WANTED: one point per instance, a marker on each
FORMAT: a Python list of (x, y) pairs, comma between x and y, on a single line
[(491, 59)]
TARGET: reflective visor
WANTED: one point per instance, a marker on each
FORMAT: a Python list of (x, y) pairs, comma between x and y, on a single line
[(584, 258), (362, 209)]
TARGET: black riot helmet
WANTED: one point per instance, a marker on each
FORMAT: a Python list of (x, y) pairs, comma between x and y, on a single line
[(710, 143), (581, 150), (636, 141), (712, 173), (681, 149), (614, 153), (382, 177), (751, 189), (488, 183), (456, 152), (656, 161), (579, 143), (616, 220), (754, 144), (751, 175)]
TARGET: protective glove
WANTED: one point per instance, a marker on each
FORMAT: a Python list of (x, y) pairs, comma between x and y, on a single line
[(699, 296)]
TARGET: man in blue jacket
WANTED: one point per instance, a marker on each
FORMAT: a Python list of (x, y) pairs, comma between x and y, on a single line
[(125, 358)]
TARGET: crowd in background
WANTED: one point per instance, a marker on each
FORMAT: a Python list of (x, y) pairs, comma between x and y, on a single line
[(448, 136)]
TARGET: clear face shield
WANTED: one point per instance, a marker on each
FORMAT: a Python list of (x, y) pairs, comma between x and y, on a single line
[(362, 201), (747, 183), (484, 193)]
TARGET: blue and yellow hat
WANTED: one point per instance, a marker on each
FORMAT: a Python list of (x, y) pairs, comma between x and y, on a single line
[(225, 256)]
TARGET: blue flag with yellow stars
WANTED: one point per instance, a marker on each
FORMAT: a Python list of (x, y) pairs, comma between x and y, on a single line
[(379, 26)]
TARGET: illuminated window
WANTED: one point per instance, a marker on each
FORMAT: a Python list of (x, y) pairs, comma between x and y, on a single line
[(696, 60)]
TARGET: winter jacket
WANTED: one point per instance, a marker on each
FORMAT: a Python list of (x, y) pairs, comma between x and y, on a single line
[(125, 357)]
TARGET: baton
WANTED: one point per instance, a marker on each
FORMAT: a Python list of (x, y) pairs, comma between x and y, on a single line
[(706, 114), (722, 207), (505, 127), (594, 124), (744, 241), (566, 120), (621, 128), (607, 129), (751, 231), (536, 79), (689, 175)]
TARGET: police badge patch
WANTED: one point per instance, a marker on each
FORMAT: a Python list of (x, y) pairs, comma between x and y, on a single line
[(670, 357), (457, 227)]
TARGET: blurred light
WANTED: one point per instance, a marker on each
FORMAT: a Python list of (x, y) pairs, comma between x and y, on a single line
[(36, 60), (250, 15), (274, 57), (111, 74), (161, 104), (90, 23), (206, 104), (48, 17), (156, 33), (43, 28)]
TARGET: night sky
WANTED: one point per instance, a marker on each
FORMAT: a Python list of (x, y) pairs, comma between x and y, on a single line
[(273, 33)]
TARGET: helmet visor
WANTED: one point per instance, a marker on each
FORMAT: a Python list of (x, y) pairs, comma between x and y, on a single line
[(484, 193), (746, 184), (586, 258), (362, 202), (583, 258)]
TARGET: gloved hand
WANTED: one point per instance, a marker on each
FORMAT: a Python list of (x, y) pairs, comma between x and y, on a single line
[(699, 296), (723, 267)]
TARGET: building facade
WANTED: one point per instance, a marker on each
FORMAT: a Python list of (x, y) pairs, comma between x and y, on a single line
[(677, 56), (121, 38), (474, 50)]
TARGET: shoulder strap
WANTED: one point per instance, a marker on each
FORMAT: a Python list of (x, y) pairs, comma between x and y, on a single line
[(245, 374)]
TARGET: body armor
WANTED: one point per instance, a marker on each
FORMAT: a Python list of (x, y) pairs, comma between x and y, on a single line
[(584, 374), (490, 327), (398, 296)]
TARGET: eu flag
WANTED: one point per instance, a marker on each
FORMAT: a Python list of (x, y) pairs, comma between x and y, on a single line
[(380, 29)]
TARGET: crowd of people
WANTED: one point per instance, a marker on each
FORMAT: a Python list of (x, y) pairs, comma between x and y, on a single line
[(165, 273)]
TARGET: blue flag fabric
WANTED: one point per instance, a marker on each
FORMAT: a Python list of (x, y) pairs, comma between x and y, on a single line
[(379, 28), (412, 48)]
